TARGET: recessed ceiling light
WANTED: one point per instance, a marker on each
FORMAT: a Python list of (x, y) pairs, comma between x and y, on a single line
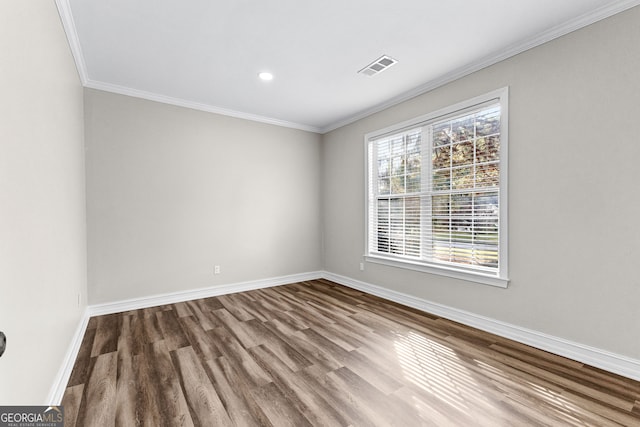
[(266, 76)]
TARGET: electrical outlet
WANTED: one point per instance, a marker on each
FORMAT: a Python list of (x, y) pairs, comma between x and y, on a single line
[(362, 266), (216, 269)]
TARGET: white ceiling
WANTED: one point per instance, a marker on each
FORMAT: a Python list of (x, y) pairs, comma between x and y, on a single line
[(206, 54)]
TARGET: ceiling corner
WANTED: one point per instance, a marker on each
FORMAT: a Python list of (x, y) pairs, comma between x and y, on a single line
[(64, 10)]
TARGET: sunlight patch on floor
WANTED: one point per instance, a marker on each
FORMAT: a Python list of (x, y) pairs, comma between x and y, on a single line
[(437, 370), (561, 406)]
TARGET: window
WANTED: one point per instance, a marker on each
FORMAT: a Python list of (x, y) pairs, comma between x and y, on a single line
[(437, 192)]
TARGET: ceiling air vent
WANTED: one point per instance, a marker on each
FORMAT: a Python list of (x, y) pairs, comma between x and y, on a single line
[(378, 66)]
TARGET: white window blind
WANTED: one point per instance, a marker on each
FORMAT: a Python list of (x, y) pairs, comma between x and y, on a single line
[(435, 190)]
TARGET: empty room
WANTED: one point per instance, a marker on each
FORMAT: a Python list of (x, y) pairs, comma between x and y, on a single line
[(285, 213)]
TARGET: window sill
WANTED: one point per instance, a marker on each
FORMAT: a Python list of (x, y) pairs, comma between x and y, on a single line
[(485, 279)]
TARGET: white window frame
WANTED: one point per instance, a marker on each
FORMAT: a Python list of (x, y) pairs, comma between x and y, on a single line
[(499, 278)]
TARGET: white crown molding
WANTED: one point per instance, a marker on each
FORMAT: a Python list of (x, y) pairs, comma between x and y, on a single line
[(516, 48), (175, 297), (64, 374), (64, 10), (572, 25), (68, 23), (602, 359), (122, 90)]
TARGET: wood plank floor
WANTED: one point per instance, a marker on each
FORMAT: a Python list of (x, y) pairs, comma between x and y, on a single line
[(316, 353)]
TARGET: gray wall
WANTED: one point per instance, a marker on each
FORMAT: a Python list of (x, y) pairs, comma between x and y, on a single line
[(171, 192), (574, 204), (42, 199)]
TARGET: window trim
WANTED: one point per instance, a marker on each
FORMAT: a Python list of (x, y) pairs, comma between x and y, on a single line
[(500, 279)]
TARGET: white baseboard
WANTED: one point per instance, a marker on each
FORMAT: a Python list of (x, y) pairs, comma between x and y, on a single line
[(618, 364), (174, 297), (62, 379), (602, 359)]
